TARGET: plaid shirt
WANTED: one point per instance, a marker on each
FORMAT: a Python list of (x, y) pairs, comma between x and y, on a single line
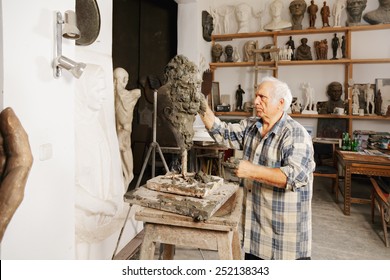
[(276, 222)]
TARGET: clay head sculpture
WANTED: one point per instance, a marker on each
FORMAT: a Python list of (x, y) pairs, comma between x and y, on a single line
[(179, 100)]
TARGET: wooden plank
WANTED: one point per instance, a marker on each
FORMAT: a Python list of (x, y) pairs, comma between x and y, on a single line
[(131, 248), (227, 222), (199, 209)]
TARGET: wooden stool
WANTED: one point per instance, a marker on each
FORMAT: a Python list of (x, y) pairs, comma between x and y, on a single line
[(219, 233)]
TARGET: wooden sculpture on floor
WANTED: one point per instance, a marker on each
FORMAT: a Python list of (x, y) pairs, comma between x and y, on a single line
[(15, 161)]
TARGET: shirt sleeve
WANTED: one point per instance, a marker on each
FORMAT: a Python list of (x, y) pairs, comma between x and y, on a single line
[(228, 134), (298, 159)]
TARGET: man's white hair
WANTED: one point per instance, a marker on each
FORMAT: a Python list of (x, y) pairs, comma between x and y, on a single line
[(280, 90)]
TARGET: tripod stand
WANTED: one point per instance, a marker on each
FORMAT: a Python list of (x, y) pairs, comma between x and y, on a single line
[(151, 151)]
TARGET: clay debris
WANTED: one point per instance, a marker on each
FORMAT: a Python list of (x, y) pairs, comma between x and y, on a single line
[(194, 185)]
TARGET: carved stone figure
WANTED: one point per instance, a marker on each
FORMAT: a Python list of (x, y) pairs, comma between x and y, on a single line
[(380, 15), (216, 52), (312, 10), (207, 25), (325, 15), (355, 10), (297, 11), (303, 51), (16, 160), (125, 101), (276, 23), (338, 7)]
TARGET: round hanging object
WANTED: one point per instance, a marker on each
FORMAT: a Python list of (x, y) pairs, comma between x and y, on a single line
[(88, 21)]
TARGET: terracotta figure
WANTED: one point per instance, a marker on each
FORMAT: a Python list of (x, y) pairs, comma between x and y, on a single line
[(325, 14), (312, 10), (216, 52), (239, 93)]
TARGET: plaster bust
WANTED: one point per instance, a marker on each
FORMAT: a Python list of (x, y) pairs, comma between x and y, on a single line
[(276, 23)]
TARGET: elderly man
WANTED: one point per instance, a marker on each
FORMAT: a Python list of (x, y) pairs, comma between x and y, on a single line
[(277, 169)]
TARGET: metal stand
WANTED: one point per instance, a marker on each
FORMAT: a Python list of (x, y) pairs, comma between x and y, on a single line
[(152, 148)]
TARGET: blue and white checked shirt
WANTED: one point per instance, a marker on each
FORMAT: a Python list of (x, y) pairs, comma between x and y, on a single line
[(276, 222)]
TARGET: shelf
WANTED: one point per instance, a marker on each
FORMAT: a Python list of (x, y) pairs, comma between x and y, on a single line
[(214, 65), (346, 63), (233, 114), (229, 37), (330, 116)]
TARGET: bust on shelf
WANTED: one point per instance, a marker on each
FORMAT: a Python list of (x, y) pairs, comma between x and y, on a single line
[(380, 15), (297, 11), (334, 91), (303, 51), (276, 23), (355, 10)]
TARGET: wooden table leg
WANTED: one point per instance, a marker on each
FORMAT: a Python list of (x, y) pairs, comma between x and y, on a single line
[(347, 191), (224, 243), (148, 246)]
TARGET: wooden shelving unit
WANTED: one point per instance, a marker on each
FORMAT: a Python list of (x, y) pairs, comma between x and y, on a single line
[(348, 62)]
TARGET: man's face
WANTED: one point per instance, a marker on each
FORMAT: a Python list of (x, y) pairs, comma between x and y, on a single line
[(356, 7), (297, 8), (265, 105)]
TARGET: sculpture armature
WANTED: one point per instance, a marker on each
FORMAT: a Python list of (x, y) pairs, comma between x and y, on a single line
[(125, 101), (15, 162)]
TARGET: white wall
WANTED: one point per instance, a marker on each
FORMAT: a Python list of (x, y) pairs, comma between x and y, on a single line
[(319, 76), (43, 225)]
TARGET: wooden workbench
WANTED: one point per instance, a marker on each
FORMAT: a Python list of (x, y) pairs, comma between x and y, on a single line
[(218, 233)]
